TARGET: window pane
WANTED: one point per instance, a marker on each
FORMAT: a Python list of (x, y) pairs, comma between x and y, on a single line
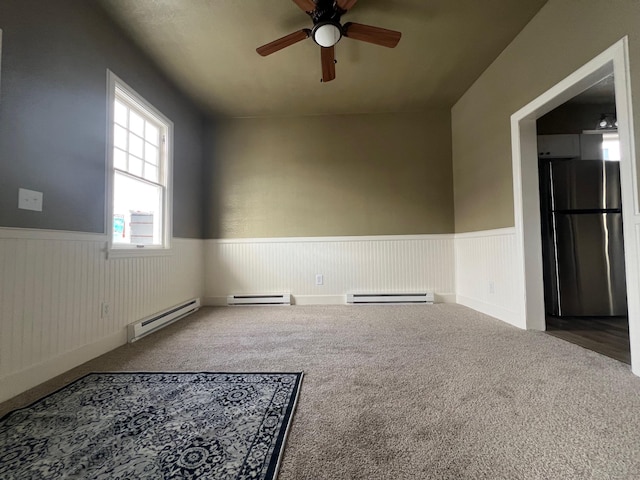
[(135, 166), (120, 113), (137, 211), (136, 123), (119, 137), (119, 159), (611, 147), (135, 145), (152, 134), (151, 153), (150, 172)]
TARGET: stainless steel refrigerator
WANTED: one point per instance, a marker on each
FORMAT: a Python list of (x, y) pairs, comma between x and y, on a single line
[(582, 238)]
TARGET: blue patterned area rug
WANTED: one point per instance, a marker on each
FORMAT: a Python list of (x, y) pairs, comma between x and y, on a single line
[(153, 426)]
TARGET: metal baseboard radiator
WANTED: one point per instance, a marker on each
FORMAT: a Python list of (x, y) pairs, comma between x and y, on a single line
[(266, 299), (399, 298), (137, 330)]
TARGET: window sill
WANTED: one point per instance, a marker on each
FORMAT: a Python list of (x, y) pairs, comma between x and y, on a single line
[(138, 252)]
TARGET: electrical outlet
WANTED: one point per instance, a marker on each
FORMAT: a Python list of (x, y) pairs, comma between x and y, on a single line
[(104, 310), (492, 287), (29, 200), (319, 279)]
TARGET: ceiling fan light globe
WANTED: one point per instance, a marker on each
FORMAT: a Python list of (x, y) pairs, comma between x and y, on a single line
[(327, 35)]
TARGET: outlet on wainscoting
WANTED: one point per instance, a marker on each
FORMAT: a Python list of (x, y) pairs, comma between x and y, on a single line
[(104, 310), (492, 287), (319, 279)]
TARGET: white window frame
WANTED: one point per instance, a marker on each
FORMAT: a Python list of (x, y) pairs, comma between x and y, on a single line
[(117, 250)]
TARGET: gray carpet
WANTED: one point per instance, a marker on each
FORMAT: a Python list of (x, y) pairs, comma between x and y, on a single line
[(413, 392)]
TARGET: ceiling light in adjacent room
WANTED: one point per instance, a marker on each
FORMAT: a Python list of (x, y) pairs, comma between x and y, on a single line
[(608, 121)]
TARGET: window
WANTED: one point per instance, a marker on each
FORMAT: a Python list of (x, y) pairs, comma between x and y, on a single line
[(611, 147), (139, 173)]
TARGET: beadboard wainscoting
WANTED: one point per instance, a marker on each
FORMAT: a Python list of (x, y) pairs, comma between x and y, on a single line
[(406, 263), (52, 287), (53, 284), (487, 274)]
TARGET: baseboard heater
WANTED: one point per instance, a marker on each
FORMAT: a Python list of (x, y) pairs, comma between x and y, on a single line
[(400, 298), (266, 299), (136, 331)]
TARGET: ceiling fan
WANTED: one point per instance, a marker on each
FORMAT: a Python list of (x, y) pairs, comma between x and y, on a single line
[(327, 31)]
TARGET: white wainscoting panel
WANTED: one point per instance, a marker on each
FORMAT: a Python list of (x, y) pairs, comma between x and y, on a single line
[(487, 277), (348, 264), (52, 285)]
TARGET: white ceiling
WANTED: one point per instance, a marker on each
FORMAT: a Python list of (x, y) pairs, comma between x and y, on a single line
[(208, 48)]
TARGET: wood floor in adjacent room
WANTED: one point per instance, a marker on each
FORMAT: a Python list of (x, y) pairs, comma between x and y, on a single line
[(606, 335), (412, 392)]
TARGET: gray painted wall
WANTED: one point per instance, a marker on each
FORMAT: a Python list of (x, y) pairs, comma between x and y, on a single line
[(53, 116)]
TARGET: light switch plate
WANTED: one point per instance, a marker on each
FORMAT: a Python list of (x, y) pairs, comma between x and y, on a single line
[(29, 200)]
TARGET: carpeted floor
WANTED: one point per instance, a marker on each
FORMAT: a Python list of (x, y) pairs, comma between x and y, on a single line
[(413, 392)]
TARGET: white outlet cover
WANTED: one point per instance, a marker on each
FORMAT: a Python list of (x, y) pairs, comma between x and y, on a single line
[(319, 279), (29, 200)]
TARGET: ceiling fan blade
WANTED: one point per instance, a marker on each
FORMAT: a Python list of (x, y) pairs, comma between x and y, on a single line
[(375, 35), (328, 58), (346, 5), (306, 5), (283, 42)]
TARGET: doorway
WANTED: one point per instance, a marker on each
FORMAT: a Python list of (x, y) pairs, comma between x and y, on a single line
[(581, 222), (526, 186)]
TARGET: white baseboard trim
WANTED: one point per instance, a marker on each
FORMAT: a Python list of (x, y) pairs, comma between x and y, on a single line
[(297, 300), (445, 298), (21, 381), (320, 299), (214, 301), (508, 316)]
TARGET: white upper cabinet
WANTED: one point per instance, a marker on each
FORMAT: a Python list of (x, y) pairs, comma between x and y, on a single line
[(559, 146)]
